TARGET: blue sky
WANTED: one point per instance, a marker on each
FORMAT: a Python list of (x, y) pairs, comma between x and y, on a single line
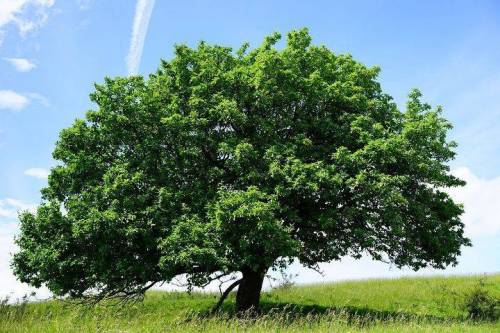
[(52, 51)]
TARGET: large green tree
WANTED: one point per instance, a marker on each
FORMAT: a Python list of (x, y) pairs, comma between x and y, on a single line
[(229, 162)]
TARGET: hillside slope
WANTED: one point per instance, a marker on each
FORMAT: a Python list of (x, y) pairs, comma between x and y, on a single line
[(392, 305)]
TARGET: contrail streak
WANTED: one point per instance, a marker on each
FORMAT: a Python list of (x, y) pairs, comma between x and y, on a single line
[(143, 11)]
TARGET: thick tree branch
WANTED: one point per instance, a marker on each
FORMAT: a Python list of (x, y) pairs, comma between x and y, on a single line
[(224, 295)]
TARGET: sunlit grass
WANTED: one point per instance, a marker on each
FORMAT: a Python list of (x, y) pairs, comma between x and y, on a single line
[(395, 305)]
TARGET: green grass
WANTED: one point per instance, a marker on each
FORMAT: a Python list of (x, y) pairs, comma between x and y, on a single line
[(391, 305)]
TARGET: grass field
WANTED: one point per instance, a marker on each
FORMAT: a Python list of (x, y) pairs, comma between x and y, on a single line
[(395, 305)]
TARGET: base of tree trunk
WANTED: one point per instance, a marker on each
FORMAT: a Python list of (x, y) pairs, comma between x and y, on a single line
[(248, 295)]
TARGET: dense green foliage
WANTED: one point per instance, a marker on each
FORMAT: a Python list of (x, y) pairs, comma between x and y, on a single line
[(399, 305), (225, 162)]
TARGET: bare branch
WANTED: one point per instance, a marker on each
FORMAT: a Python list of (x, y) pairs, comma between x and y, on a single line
[(122, 295), (316, 268)]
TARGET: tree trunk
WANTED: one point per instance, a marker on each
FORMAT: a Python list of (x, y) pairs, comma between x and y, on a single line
[(248, 295)]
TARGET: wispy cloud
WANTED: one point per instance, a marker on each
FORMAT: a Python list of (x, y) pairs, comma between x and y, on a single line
[(10, 100), (143, 11), (14, 101), (37, 173), (27, 15), (21, 64), (9, 208), (39, 98), (84, 4)]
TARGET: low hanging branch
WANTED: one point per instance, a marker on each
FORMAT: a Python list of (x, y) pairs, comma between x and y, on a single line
[(224, 296)]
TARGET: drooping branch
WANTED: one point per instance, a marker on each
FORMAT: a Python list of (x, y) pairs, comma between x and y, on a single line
[(224, 295), (212, 279), (122, 295), (189, 285)]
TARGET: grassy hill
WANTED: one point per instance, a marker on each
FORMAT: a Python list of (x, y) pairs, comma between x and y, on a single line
[(391, 305)]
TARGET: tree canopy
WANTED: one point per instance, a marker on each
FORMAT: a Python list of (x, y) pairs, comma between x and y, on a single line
[(224, 162)]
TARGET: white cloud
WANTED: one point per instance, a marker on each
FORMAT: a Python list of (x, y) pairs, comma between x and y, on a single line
[(37, 173), (84, 4), (10, 207), (11, 100), (21, 64), (481, 199), (6, 212), (143, 11), (26, 15), (39, 98)]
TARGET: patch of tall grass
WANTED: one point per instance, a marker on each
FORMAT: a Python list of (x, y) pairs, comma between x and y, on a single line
[(435, 304)]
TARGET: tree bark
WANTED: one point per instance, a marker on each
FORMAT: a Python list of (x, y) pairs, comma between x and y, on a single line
[(248, 295)]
